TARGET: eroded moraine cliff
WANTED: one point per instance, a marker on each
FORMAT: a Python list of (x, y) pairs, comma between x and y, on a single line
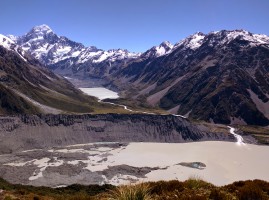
[(24, 132)]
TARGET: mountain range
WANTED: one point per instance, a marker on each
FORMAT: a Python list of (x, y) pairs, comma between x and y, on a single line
[(27, 87), (221, 77)]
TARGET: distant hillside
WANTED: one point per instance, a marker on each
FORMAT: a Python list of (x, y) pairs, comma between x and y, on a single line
[(27, 87), (221, 77)]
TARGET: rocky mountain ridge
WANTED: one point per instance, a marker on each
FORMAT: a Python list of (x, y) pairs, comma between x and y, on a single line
[(52, 50), (220, 77)]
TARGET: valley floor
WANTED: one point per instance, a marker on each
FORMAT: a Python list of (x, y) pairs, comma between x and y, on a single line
[(124, 163)]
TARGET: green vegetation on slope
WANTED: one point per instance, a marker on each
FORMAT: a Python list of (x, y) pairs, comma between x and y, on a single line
[(10, 103)]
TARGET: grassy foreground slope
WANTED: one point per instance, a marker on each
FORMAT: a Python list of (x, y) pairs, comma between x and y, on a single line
[(190, 189)]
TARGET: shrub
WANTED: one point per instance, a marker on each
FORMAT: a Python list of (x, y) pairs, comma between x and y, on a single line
[(263, 185), (250, 192), (217, 195)]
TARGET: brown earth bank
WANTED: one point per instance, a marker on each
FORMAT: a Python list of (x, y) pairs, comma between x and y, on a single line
[(24, 132), (193, 188)]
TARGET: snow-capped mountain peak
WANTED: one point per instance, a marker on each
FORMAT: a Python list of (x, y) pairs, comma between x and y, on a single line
[(192, 42), (42, 28), (225, 37), (43, 44), (164, 48), (53, 50), (245, 35), (112, 55), (6, 42), (12, 37), (166, 44), (196, 40), (219, 38), (11, 45), (39, 33), (49, 48), (156, 51)]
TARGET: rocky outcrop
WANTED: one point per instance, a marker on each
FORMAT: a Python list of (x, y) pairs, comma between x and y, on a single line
[(24, 132)]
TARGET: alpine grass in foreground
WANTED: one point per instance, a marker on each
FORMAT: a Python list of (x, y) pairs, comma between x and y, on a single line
[(131, 192), (194, 188)]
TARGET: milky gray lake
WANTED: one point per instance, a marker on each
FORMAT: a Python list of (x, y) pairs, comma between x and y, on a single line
[(100, 92)]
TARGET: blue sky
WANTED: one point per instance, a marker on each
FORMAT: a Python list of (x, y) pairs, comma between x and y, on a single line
[(135, 25)]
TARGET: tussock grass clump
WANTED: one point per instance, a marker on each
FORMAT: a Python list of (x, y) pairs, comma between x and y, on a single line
[(196, 182), (131, 192)]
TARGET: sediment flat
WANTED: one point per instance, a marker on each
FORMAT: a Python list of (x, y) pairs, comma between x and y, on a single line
[(124, 163)]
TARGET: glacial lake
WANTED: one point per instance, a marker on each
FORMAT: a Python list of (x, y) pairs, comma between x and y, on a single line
[(100, 92), (125, 163)]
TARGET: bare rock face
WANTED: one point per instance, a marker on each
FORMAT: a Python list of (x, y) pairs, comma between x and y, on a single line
[(25, 132)]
